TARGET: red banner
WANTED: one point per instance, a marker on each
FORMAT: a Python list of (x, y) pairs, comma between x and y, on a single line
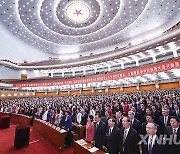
[(113, 76)]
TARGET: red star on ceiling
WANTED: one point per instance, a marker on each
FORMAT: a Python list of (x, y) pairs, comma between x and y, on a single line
[(78, 12)]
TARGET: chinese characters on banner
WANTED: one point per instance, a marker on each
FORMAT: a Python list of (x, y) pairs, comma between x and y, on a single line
[(173, 64)]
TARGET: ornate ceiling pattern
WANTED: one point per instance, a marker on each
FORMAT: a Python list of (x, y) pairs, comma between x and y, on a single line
[(84, 25)]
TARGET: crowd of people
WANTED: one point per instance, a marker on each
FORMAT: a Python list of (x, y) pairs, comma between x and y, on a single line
[(116, 122)]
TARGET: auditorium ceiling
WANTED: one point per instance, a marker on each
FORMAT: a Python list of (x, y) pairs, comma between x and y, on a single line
[(86, 26)]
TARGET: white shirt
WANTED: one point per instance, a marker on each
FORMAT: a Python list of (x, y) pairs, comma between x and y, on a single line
[(127, 131), (153, 139), (79, 116), (92, 112), (175, 129)]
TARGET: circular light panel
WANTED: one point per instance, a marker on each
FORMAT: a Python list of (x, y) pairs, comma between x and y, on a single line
[(78, 11)]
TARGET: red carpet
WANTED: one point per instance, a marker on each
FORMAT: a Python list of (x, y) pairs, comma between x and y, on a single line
[(37, 144)]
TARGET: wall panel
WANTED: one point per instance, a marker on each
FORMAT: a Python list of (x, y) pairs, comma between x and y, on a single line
[(52, 93), (169, 85), (129, 89), (113, 90), (147, 87), (40, 94)]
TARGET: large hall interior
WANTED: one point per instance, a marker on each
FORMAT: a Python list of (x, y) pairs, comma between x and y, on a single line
[(90, 76)]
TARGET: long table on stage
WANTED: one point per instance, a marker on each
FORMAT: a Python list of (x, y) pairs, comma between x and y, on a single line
[(53, 134), (85, 148)]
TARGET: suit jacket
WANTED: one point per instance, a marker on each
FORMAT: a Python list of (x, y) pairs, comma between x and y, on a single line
[(90, 132), (68, 123), (100, 135), (105, 120), (113, 140), (162, 125), (156, 149), (84, 119), (143, 129), (137, 116), (136, 125), (177, 115), (119, 124), (130, 145), (173, 149), (156, 115)]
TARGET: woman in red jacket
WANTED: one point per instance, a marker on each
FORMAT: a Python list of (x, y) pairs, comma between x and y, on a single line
[(90, 129)]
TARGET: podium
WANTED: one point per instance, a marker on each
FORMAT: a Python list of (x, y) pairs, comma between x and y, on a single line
[(4, 122), (22, 134)]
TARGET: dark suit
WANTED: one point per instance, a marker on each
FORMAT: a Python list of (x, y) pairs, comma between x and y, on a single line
[(142, 114), (156, 149), (176, 114), (173, 149), (105, 120), (156, 115), (119, 123), (130, 144), (136, 125), (113, 140), (143, 129), (137, 116), (100, 134), (84, 119), (162, 124)]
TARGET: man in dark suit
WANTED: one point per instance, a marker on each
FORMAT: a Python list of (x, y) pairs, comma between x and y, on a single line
[(164, 120), (113, 137), (99, 133), (129, 138), (142, 112), (150, 145), (149, 119), (176, 110), (84, 117), (136, 124), (156, 114), (137, 115), (106, 118), (119, 119), (174, 130)]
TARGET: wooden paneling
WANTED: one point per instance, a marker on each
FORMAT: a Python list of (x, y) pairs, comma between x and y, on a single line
[(40, 93), (52, 93), (114, 90), (63, 93), (52, 134), (169, 85), (74, 92), (86, 92), (129, 89), (147, 87), (15, 94)]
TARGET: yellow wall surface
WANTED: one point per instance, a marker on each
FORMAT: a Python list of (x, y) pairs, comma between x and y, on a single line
[(147, 87), (12, 94), (169, 85)]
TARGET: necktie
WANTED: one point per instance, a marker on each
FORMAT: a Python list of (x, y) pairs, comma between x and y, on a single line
[(97, 125), (165, 121), (125, 135), (110, 131), (150, 146), (175, 132), (177, 112), (131, 123)]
